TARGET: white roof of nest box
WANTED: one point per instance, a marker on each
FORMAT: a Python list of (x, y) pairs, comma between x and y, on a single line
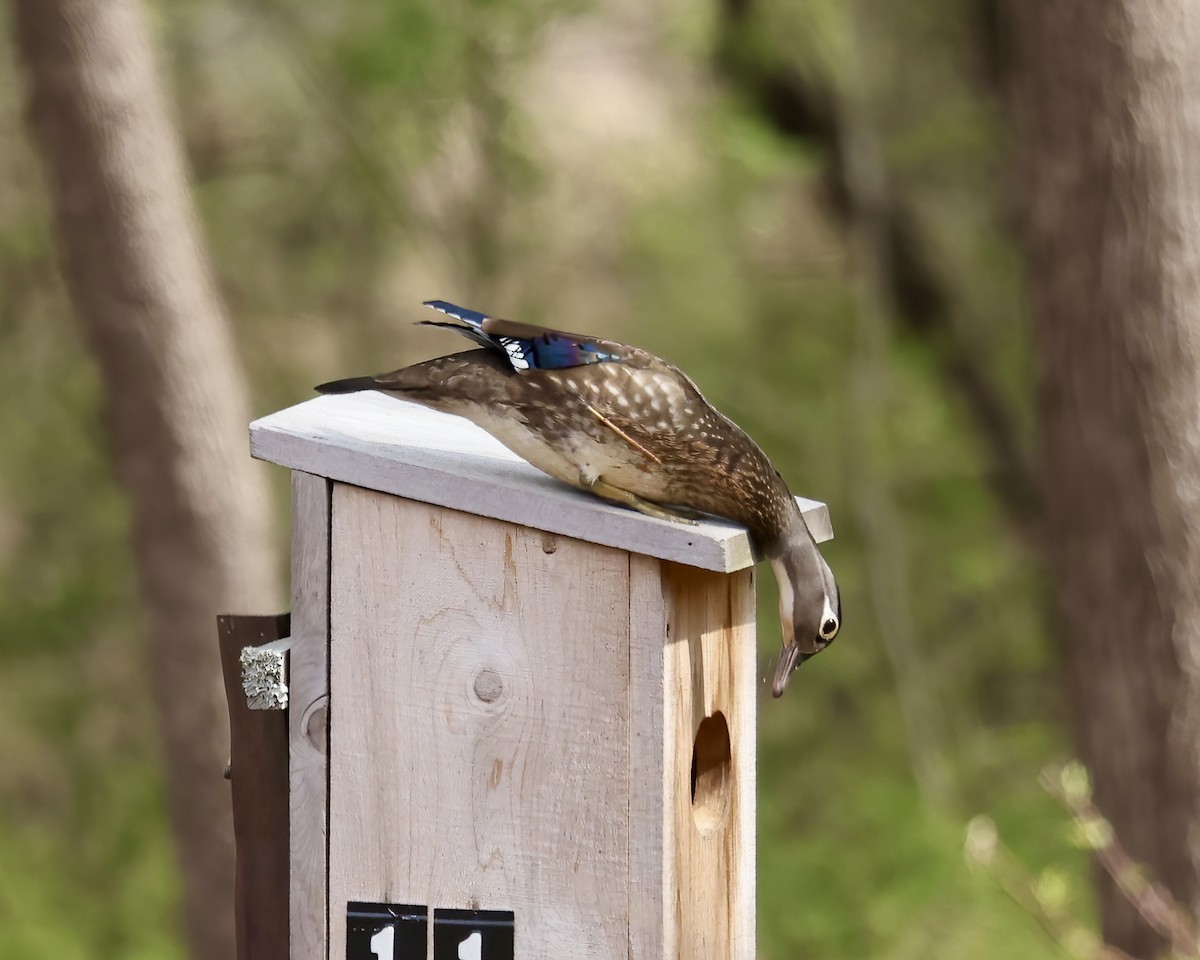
[(376, 441)]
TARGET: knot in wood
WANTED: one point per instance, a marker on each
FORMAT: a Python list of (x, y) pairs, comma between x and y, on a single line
[(488, 685), (315, 723)]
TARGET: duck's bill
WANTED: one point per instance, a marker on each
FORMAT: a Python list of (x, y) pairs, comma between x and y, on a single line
[(789, 660)]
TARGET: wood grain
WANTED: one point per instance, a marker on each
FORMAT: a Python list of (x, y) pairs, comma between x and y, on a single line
[(480, 739), (308, 715), (710, 669), (258, 763), (386, 444)]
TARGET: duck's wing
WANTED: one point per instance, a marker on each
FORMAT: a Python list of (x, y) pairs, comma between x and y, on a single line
[(526, 346)]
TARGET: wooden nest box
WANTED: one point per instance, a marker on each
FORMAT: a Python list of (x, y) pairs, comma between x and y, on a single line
[(521, 721)]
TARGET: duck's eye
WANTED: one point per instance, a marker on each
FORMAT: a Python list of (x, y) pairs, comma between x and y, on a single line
[(829, 629)]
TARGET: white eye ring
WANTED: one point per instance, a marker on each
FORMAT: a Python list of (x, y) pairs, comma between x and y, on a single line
[(830, 622)]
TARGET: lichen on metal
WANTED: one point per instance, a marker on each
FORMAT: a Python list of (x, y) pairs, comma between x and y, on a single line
[(264, 676)]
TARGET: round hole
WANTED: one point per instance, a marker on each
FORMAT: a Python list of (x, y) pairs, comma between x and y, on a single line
[(711, 780)]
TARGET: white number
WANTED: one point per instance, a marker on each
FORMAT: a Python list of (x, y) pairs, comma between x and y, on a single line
[(383, 944), (470, 949)]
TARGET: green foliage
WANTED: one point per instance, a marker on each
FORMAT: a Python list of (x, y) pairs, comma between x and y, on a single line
[(579, 165)]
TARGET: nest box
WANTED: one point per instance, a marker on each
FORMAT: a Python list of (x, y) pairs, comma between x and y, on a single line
[(521, 720)]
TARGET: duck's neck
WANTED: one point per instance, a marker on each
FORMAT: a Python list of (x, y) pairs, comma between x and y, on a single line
[(794, 557), (790, 538)]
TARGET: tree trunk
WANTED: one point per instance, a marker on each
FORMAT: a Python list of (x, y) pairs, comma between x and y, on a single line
[(175, 397), (1106, 98)]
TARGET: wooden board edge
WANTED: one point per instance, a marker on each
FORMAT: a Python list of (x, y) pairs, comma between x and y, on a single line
[(308, 717), (648, 812)]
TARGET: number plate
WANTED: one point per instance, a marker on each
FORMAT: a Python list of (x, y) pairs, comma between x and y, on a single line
[(472, 935), (386, 931)]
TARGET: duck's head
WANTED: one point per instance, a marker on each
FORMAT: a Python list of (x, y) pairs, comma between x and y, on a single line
[(810, 606)]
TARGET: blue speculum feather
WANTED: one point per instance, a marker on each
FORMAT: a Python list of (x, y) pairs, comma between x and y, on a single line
[(472, 317), (547, 351), (555, 352)]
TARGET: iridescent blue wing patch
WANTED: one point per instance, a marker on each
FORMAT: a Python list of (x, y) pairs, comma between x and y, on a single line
[(552, 351), (527, 347), (472, 317)]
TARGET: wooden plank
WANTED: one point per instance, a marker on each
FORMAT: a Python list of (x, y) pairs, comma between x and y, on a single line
[(650, 938), (479, 753), (711, 668), (375, 441), (258, 771), (308, 716)]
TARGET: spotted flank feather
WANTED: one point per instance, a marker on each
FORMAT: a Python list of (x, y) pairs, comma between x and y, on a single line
[(526, 347)]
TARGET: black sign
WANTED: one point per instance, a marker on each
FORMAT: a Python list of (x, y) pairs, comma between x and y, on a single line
[(386, 931), (472, 935)]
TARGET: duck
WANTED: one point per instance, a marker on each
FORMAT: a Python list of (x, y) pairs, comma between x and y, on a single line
[(633, 429)]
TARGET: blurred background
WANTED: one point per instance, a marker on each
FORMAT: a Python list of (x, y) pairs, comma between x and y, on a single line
[(923, 255)]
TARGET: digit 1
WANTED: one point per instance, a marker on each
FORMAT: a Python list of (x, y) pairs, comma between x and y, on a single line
[(383, 944), (471, 948)]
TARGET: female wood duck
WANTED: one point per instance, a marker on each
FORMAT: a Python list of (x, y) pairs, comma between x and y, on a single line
[(633, 429)]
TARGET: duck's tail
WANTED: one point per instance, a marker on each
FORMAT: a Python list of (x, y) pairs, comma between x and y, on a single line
[(349, 385)]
